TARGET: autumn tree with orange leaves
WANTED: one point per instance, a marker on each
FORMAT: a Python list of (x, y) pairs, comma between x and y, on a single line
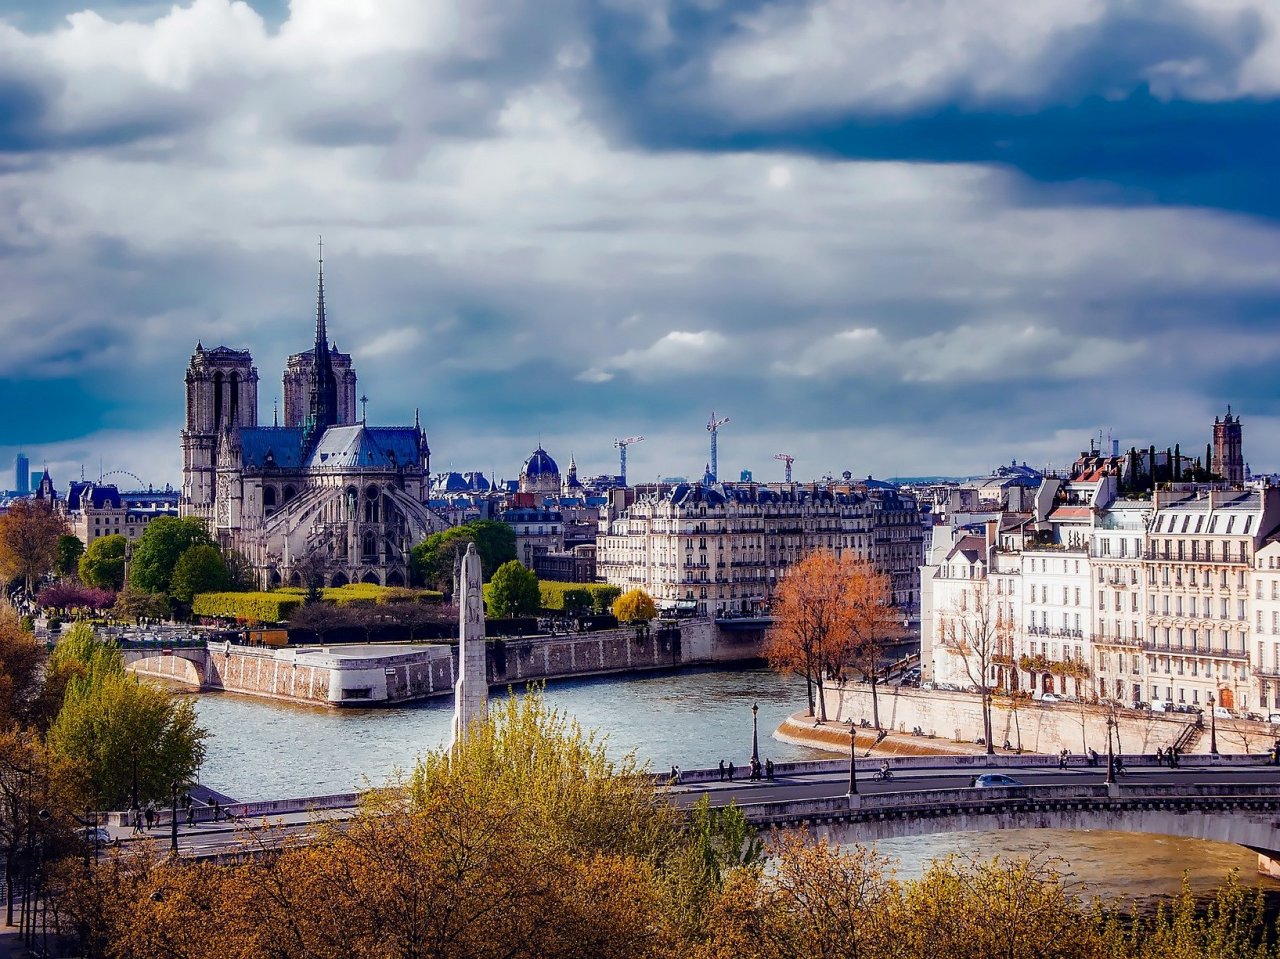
[(829, 612)]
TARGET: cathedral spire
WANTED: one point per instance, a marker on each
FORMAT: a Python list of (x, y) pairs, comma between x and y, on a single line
[(322, 334), (324, 384)]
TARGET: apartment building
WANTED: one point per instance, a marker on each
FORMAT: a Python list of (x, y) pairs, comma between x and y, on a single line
[(1199, 560), (723, 547)]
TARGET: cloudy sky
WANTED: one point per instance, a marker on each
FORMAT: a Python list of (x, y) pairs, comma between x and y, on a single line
[(889, 236)]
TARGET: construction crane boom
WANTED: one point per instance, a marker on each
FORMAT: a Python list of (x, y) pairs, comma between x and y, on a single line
[(621, 446), (713, 427), (788, 459)]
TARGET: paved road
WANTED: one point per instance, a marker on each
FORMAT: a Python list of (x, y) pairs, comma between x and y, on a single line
[(829, 785), (212, 838)]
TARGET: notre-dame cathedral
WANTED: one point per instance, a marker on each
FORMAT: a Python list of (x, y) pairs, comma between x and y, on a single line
[(324, 492)]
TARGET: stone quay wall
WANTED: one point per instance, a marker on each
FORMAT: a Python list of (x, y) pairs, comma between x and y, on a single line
[(1040, 727), (328, 676)]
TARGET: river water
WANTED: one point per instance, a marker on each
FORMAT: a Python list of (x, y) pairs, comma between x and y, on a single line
[(261, 749)]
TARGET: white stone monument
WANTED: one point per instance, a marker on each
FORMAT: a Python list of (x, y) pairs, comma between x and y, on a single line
[(471, 691)]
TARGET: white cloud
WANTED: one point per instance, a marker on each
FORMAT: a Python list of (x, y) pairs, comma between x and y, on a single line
[(676, 352), (390, 343)]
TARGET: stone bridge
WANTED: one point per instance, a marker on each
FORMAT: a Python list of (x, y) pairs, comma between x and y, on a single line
[(183, 664), (1244, 814)]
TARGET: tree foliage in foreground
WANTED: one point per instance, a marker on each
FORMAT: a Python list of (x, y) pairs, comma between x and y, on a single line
[(109, 718), (528, 841)]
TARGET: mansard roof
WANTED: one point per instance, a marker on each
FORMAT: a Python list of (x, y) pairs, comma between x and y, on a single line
[(365, 447)]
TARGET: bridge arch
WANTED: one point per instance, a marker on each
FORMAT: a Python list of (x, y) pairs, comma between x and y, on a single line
[(1246, 818)]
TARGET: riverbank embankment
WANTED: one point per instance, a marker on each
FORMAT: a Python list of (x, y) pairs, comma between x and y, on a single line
[(371, 674)]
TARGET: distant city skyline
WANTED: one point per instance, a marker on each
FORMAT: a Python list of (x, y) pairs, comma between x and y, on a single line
[(891, 238)]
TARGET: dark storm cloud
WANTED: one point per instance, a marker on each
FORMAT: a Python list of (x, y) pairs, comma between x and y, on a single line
[(585, 220), (1093, 114)]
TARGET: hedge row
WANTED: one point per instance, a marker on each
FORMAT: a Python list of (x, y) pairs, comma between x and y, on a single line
[(578, 596), (246, 607), (370, 593)]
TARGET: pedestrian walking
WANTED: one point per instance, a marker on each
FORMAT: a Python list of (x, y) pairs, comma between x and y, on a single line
[(137, 821), (1159, 756), (191, 814), (1062, 759), (151, 815), (722, 770), (768, 769), (217, 808), (731, 770)]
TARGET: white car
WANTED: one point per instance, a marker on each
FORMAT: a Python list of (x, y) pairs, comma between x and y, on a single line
[(1050, 698), (995, 781)]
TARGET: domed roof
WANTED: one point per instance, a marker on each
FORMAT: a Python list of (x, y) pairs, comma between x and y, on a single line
[(540, 464)]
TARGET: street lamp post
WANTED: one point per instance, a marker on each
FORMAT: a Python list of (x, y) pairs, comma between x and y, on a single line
[(1213, 726), (133, 771), (853, 760), (755, 736), (1111, 756), (173, 817)]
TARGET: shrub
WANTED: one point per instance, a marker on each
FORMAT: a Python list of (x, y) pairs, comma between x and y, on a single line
[(565, 597), (246, 607)]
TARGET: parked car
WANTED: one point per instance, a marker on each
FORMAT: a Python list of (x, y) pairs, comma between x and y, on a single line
[(995, 781), (1161, 706), (1222, 712), (1050, 698), (95, 836), (1273, 717)]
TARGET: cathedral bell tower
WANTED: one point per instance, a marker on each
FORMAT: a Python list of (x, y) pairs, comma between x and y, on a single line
[(222, 397)]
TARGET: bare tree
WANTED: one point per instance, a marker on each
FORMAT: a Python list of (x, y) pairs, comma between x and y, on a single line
[(872, 624), (976, 631)]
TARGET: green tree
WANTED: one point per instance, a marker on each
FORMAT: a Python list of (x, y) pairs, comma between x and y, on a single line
[(432, 561), (137, 605), (29, 534), (70, 549), (635, 606), (513, 591), (160, 547), (200, 569), (109, 719), (102, 564)]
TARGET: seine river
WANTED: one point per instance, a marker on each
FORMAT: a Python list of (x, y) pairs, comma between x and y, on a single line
[(261, 749)]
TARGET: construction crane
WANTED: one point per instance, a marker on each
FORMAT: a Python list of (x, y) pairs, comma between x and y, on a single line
[(622, 455), (713, 427), (788, 459)]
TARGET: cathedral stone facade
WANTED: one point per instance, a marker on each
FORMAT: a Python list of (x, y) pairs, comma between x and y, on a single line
[(324, 493)]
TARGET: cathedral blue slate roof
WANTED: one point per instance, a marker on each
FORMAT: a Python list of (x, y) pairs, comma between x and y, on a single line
[(365, 447), (268, 446)]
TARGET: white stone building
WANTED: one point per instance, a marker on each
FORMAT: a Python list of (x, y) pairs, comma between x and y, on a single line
[(1264, 643), (1119, 601), (1199, 561)]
